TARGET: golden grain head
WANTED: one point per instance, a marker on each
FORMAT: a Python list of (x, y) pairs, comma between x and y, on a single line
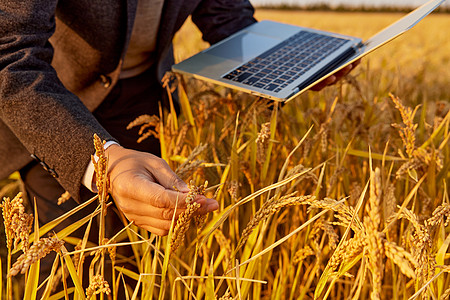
[(38, 250), (17, 222), (97, 285)]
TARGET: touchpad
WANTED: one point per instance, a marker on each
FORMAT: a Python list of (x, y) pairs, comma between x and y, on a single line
[(243, 46)]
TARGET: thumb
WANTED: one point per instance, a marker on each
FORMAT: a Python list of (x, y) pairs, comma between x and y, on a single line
[(180, 185), (167, 178)]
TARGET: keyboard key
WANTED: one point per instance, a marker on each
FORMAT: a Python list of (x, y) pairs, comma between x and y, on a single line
[(277, 72), (242, 77), (251, 80), (271, 87)]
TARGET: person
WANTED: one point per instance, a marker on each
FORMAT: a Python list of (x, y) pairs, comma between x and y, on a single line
[(71, 69)]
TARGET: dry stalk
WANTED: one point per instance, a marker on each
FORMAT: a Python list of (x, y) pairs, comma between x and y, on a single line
[(181, 137), (37, 251)]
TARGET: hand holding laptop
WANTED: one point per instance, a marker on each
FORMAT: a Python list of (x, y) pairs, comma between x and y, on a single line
[(333, 79)]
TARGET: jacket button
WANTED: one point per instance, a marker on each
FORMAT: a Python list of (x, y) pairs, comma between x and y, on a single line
[(106, 81), (53, 173)]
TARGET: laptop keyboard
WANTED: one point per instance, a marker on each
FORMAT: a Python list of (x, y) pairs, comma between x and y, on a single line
[(285, 62)]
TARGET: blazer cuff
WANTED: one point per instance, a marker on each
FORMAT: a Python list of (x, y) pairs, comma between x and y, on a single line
[(88, 177)]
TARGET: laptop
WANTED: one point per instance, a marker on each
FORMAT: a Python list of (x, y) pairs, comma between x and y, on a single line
[(280, 61)]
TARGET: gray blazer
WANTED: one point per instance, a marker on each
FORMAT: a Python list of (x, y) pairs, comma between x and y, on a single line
[(59, 60)]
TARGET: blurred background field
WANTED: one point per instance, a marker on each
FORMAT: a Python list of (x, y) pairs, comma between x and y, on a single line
[(370, 217)]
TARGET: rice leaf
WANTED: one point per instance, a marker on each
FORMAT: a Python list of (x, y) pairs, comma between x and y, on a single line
[(33, 273), (210, 282), (73, 273)]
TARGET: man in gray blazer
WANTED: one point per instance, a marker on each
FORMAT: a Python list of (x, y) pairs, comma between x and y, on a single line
[(69, 69)]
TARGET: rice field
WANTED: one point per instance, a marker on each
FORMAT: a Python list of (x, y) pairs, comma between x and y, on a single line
[(341, 194)]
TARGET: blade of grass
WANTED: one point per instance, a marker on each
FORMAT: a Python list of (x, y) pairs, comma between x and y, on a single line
[(33, 274), (437, 131), (377, 156), (167, 253), (49, 280), (210, 282), (73, 273), (440, 260), (162, 140), (59, 295)]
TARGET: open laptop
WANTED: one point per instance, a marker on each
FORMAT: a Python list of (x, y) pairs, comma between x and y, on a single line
[(280, 61)]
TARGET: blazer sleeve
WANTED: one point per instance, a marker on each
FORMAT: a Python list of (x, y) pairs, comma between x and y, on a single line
[(49, 121), (218, 19)]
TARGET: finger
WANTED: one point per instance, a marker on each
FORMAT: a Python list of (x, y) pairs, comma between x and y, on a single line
[(167, 178), (141, 189), (157, 231), (159, 227), (327, 81), (207, 205), (344, 71), (151, 211)]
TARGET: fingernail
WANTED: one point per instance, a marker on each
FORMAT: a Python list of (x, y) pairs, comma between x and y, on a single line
[(182, 187)]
